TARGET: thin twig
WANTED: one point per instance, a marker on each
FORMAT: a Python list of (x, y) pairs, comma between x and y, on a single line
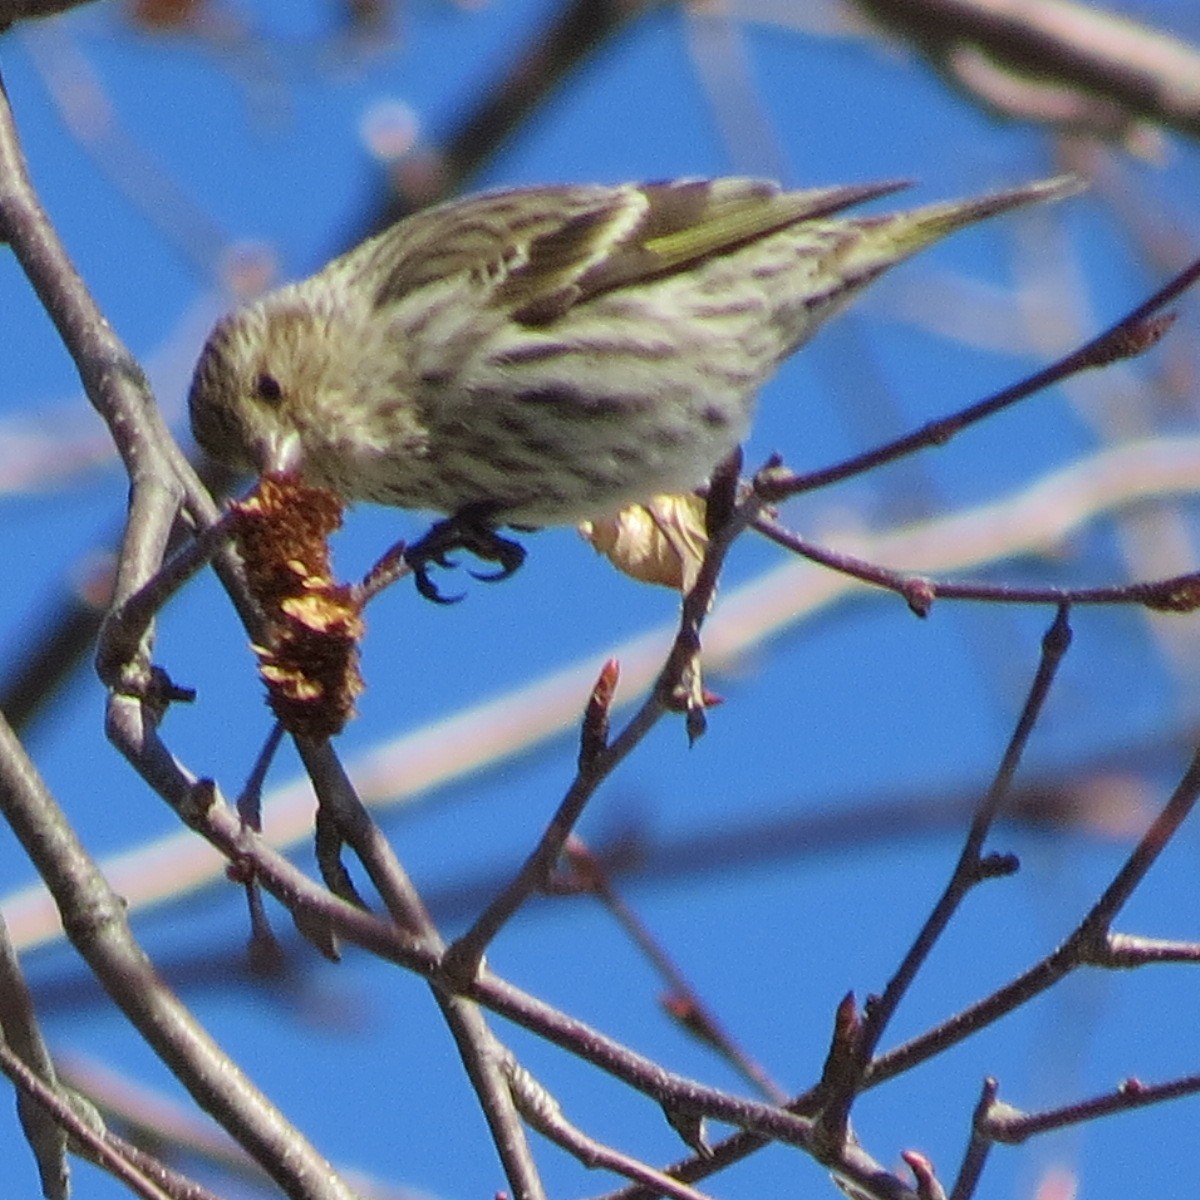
[(174, 1183), (1002, 1123), (978, 1148), (21, 1034), (1180, 593), (95, 920), (35, 1089), (677, 1093), (464, 955), (128, 620), (478, 1047), (206, 812), (1127, 950), (545, 1114), (1089, 945), (971, 869), (683, 1003), (113, 380), (1133, 334)]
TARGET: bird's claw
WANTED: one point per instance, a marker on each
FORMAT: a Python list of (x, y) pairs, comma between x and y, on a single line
[(427, 588), (461, 533), (509, 554)]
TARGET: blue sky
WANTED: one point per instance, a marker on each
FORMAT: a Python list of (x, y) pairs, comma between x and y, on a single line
[(845, 707)]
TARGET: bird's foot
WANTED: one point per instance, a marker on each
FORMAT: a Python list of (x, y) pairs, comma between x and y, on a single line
[(464, 531)]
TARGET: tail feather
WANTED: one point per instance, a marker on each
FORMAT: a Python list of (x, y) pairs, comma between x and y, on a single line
[(905, 233), (859, 250)]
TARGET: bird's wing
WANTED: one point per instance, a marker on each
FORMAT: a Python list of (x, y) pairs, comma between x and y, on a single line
[(540, 251), (686, 222)]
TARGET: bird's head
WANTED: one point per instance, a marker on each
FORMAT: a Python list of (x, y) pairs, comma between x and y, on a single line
[(258, 383)]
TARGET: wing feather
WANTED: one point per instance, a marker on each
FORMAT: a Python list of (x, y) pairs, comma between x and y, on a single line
[(486, 236), (541, 251)]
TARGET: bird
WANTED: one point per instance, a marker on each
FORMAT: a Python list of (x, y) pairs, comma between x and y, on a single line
[(547, 355)]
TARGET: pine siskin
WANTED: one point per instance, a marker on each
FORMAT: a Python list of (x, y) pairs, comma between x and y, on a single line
[(547, 355)]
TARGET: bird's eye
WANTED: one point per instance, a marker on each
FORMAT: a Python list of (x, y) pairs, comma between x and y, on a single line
[(268, 388)]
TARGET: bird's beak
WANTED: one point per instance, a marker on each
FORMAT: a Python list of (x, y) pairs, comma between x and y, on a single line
[(278, 453)]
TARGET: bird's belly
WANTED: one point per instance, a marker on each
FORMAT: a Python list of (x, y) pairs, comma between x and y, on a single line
[(554, 459)]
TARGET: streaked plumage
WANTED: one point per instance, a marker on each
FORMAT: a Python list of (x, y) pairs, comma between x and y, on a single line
[(549, 354)]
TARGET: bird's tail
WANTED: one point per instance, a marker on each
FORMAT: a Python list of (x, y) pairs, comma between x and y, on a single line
[(860, 249), (896, 236)]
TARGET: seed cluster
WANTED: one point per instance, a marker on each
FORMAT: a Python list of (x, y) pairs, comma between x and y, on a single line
[(310, 660)]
